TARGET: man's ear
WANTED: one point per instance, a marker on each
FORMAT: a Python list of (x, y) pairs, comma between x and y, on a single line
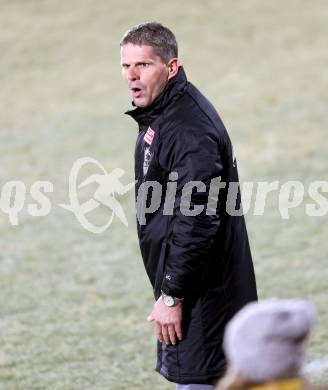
[(173, 67)]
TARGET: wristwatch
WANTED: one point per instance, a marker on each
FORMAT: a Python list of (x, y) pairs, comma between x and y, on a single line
[(170, 301)]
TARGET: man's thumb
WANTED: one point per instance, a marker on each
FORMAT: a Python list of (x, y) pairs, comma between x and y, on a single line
[(150, 317)]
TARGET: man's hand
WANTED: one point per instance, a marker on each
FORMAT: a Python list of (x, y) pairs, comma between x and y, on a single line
[(167, 321)]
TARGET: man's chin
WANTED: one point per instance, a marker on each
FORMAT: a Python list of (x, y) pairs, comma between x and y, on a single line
[(142, 103)]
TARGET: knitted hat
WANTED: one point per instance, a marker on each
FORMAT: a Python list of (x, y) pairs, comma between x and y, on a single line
[(266, 341)]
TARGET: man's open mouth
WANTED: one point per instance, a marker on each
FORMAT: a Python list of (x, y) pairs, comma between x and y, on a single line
[(136, 91)]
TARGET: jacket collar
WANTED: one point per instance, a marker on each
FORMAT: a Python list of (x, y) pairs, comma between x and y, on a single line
[(172, 91)]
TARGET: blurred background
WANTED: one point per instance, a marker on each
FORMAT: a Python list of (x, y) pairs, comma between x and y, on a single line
[(73, 304)]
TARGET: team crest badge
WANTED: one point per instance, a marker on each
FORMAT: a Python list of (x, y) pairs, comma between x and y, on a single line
[(147, 158)]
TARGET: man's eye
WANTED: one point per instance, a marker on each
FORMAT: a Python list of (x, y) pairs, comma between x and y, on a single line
[(144, 65), (125, 66)]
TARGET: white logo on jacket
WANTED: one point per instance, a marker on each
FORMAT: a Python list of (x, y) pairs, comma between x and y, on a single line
[(147, 158), (233, 157)]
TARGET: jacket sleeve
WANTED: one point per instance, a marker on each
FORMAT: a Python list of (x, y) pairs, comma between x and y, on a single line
[(195, 156)]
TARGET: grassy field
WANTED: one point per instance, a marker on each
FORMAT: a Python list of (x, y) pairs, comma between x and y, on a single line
[(73, 304)]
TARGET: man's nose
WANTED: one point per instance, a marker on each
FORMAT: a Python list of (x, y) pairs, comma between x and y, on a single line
[(132, 74)]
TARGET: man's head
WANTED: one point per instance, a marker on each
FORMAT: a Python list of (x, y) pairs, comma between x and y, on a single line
[(149, 54)]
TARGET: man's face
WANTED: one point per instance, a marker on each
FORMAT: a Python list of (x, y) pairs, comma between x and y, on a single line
[(144, 72)]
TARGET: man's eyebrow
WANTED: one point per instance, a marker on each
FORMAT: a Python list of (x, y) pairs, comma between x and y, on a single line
[(138, 63)]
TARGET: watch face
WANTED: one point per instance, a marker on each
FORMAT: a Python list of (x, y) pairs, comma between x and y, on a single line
[(169, 301)]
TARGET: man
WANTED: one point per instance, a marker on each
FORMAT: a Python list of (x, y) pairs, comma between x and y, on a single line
[(199, 263)]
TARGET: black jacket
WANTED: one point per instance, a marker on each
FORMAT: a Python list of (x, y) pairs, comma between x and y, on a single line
[(204, 258)]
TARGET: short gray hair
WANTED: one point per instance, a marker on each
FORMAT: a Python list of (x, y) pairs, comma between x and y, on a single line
[(153, 34)]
